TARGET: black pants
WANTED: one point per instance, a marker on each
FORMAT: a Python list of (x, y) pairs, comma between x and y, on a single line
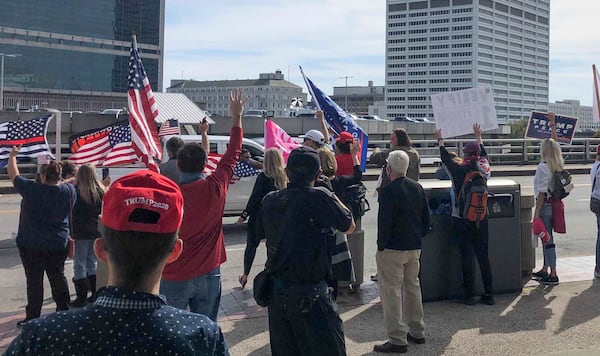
[(473, 239), (35, 263), (303, 320)]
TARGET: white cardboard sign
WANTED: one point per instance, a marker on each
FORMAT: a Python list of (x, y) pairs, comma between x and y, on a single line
[(455, 112)]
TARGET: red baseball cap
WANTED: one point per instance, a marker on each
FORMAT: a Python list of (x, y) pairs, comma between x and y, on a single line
[(143, 191), (345, 137), (539, 230)]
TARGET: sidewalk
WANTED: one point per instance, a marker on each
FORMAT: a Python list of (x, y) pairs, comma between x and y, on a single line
[(560, 320)]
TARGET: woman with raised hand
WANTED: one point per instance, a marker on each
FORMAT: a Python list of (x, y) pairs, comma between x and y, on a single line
[(43, 233), (90, 191), (272, 178), (551, 162)]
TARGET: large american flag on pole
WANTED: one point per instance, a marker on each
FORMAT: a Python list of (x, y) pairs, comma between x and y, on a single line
[(106, 146), (31, 134), (142, 111)]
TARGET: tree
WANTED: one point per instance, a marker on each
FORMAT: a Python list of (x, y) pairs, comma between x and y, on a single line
[(518, 128)]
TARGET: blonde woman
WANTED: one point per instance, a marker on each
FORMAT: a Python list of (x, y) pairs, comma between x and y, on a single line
[(272, 178), (551, 162), (90, 192)]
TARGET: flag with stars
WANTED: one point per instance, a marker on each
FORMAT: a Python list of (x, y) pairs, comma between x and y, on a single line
[(31, 134), (142, 111), (338, 119), (245, 169), (106, 146), (169, 128)]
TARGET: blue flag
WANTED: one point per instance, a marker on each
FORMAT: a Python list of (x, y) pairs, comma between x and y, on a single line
[(338, 119)]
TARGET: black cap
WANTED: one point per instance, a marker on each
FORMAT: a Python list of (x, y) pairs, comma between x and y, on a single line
[(303, 164)]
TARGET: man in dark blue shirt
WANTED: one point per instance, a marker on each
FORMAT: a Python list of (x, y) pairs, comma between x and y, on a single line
[(297, 223), (141, 214)]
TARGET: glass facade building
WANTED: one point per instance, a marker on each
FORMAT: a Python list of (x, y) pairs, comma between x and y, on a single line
[(79, 46)]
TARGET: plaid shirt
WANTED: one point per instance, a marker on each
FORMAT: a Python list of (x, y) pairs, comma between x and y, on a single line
[(121, 322)]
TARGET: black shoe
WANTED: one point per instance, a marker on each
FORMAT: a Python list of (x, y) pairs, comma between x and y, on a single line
[(468, 300), (22, 323), (550, 280), (389, 348), (411, 338), (539, 274), (487, 299), (374, 278)]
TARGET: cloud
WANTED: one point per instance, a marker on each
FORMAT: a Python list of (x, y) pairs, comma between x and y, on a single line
[(239, 39)]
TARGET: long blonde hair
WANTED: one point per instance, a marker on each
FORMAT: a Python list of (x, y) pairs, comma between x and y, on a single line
[(91, 190), (328, 162), (551, 154), (273, 168)]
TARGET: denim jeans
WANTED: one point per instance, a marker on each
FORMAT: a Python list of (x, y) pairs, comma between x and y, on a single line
[(84, 260), (549, 247), (202, 294), (598, 243)]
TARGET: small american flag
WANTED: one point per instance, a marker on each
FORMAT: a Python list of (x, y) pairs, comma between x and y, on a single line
[(211, 162), (31, 134), (169, 128), (107, 146), (142, 111), (245, 169)]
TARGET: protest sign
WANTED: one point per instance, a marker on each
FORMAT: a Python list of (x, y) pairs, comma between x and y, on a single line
[(539, 127), (455, 112)]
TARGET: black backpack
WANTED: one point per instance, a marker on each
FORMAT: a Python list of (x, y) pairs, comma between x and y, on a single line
[(560, 185), (355, 198), (472, 197)]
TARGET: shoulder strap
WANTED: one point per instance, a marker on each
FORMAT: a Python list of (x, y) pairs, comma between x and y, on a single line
[(277, 244), (70, 209)]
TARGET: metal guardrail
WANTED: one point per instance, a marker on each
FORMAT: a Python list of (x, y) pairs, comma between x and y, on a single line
[(508, 151)]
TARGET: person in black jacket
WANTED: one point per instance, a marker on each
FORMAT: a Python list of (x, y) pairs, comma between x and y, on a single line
[(472, 237), (402, 221), (273, 178)]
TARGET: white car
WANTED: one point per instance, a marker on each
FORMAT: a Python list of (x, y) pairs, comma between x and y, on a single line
[(239, 191)]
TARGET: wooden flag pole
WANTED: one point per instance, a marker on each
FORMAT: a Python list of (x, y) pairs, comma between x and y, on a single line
[(596, 92)]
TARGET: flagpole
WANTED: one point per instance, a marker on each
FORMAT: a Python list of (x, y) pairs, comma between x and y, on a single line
[(596, 92), (310, 89)]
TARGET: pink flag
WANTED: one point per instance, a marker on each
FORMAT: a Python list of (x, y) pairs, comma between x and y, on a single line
[(276, 137)]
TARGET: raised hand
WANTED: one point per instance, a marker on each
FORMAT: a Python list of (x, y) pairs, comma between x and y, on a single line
[(204, 126), (477, 132), (15, 151), (236, 102), (354, 147), (438, 134)]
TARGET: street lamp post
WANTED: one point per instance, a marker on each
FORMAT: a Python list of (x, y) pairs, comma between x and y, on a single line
[(346, 92), (2, 55)]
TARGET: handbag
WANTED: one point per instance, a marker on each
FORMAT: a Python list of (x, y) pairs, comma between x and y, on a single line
[(262, 288), (594, 202)]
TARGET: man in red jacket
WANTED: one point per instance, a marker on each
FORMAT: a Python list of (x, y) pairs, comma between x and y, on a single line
[(194, 280)]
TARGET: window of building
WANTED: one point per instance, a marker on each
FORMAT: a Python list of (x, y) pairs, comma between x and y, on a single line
[(437, 21), (396, 7), (439, 55), (516, 12), (439, 3), (440, 29), (417, 5), (462, 19), (487, 3)]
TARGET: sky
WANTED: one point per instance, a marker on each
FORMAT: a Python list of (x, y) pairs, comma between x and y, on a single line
[(334, 39)]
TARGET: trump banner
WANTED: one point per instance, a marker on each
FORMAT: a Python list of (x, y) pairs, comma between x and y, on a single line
[(539, 127), (338, 120), (276, 137)]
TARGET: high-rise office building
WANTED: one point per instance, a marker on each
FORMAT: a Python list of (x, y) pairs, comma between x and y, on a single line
[(74, 54), (436, 46), (573, 107)]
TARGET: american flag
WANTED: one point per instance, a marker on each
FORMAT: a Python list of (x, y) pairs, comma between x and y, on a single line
[(242, 169), (168, 128), (142, 111), (107, 146), (245, 169), (31, 134)]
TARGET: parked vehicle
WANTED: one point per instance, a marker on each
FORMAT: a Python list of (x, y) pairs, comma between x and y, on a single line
[(423, 120), (371, 117), (112, 112), (404, 119), (254, 113), (239, 191)]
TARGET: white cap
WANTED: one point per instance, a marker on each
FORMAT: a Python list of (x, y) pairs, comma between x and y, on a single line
[(315, 135)]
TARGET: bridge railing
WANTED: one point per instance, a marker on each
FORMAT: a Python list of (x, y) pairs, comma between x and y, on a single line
[(508, 151)]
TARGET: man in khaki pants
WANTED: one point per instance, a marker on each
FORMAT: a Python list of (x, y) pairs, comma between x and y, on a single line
[(402, 222)]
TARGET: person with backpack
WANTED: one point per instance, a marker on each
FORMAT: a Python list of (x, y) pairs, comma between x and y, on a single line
[(551, 163), (469, 182)]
